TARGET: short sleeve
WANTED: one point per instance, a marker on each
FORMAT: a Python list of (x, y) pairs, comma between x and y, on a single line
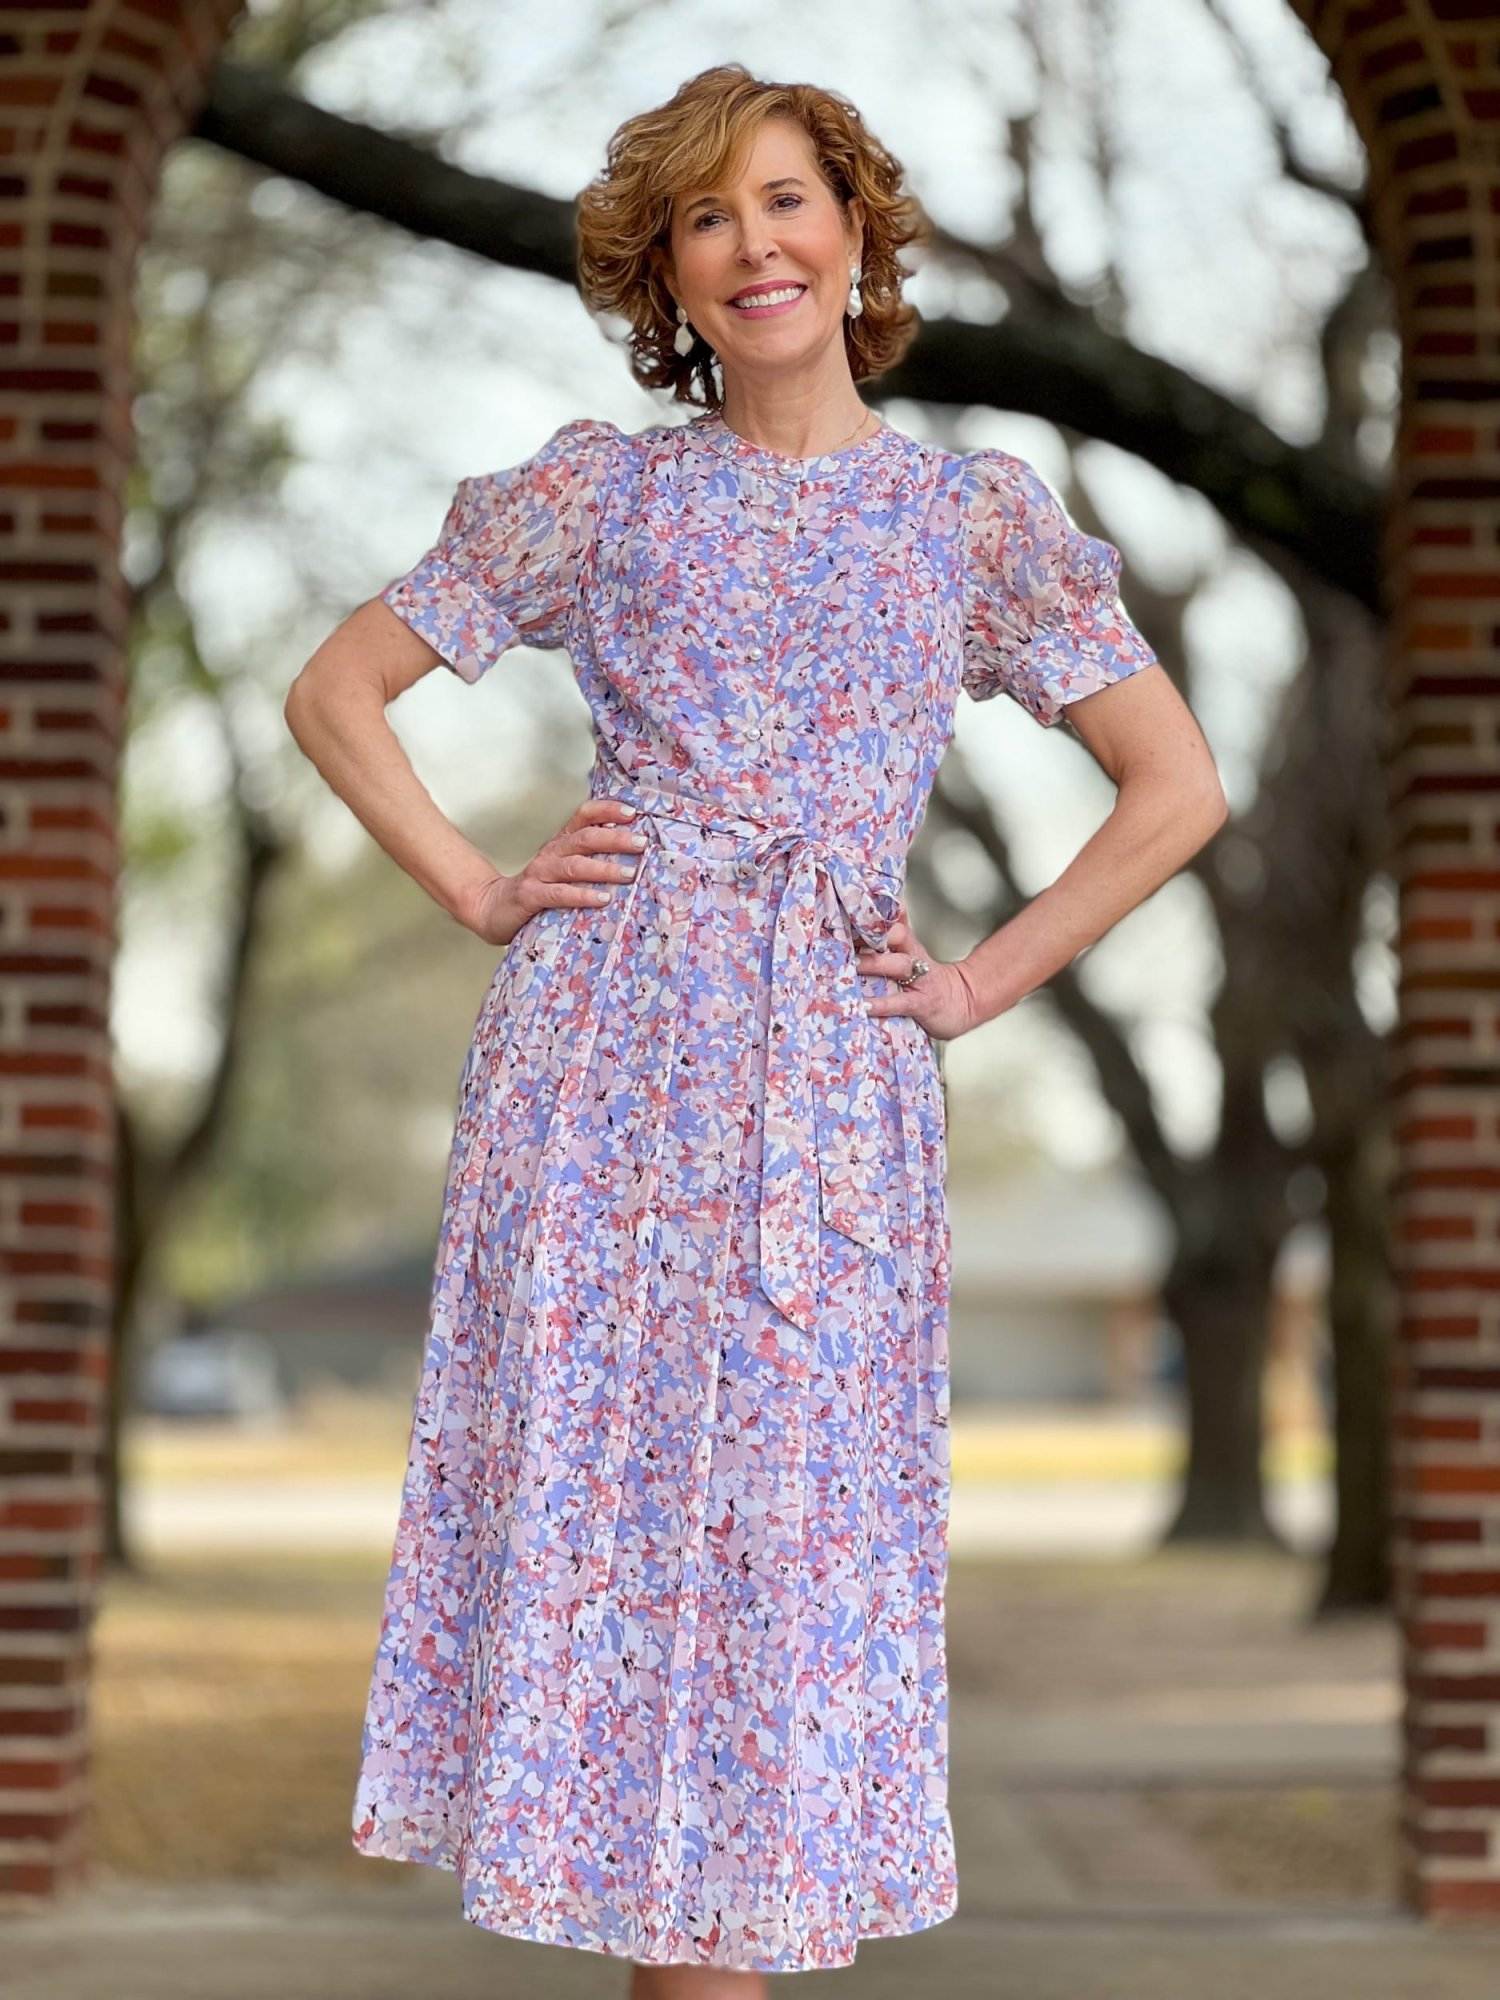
[(1043, 620), (510, 555)]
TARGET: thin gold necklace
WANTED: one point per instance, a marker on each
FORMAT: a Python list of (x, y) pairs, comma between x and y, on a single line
[(843, 441), (817, 454)]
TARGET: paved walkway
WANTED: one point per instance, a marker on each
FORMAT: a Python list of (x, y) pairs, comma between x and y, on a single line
[(408, 1941)]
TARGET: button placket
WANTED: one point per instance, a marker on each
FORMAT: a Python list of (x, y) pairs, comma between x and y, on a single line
[(756, 701), (780, 508), (759, 720)]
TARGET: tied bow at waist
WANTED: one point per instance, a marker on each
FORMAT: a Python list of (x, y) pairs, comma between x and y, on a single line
[(822, 1148)]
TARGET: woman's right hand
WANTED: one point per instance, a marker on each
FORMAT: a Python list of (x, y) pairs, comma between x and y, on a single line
[(597, 845)]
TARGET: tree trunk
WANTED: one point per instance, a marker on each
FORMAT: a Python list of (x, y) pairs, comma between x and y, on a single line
[(118, 1554), (1361, 1317), (1221, 1314)]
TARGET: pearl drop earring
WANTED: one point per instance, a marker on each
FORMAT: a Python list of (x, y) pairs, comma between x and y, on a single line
[(682, 340), (856, 303)]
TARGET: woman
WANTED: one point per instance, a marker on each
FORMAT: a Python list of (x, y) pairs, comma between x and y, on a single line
[(661, 1672)]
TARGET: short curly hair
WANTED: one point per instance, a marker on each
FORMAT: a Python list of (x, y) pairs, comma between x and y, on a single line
[(689, 142)]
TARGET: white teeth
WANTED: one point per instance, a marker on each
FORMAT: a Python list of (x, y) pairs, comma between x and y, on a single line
[(769, 298)]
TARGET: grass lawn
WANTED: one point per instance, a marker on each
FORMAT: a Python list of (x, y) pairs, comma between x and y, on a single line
[(227, 1707), (230, 1685)]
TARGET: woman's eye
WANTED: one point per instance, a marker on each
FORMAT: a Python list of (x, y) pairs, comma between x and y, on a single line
[(712, 214)]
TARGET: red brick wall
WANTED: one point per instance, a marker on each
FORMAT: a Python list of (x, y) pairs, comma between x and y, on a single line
[(1423, 84), (90, 96)]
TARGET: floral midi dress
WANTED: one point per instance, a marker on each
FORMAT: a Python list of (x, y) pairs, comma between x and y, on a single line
[(661, 1668)]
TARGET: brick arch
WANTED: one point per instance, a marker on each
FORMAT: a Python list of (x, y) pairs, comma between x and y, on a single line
[(1422, 82), (92, 92)]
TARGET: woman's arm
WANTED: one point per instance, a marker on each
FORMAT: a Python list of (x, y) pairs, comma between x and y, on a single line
[(335, 709), (1169, 803)]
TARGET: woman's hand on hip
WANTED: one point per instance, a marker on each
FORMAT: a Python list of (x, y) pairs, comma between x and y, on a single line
[(941, 999), (575, 869)]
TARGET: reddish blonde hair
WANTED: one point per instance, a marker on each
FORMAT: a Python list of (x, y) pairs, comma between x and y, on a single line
[(690, 141)]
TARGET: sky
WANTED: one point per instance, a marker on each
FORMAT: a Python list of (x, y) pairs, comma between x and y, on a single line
[(449, 367)]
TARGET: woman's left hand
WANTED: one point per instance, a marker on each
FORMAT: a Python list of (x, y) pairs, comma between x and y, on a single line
[(941, 999)]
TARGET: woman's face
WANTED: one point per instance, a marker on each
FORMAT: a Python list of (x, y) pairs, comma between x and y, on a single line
[(778, 227)]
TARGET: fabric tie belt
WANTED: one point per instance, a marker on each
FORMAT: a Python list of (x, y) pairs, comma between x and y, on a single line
[(824, 1151), (822, 1147)]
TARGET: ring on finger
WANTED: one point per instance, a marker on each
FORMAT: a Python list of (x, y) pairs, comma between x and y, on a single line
[(919, 968)]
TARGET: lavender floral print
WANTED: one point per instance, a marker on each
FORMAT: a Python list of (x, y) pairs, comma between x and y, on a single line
[(661, 1667)]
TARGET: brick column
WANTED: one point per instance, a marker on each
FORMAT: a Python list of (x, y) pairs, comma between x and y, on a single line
[(90, 97), (1423, 85)]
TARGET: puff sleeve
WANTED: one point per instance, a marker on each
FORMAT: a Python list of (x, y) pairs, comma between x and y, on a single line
[(510, 554), (1043, 620)]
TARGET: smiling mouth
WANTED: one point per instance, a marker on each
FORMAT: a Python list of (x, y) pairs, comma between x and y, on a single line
[(774, 298)]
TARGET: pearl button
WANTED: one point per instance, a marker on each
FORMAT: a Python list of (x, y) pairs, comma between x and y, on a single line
[(753, 734), (755, 652)]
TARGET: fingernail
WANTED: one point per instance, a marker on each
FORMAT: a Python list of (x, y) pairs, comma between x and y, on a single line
[(627, 810)]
